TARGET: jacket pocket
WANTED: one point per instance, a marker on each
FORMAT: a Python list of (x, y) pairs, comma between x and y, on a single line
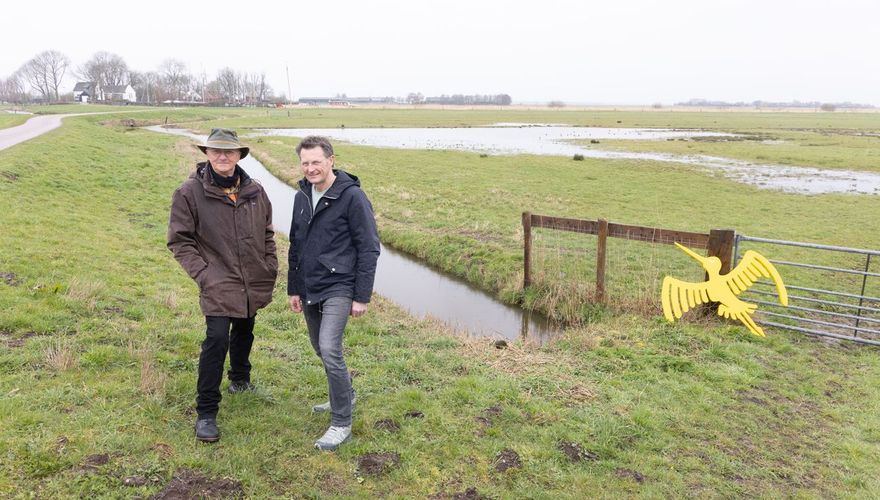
[(336, 265), (201, 279)]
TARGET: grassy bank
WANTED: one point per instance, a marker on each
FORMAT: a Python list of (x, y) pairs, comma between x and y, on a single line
[(101, 331), (10, 120)]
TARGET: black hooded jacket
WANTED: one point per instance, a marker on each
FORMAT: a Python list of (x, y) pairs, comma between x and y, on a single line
[(333, 251)]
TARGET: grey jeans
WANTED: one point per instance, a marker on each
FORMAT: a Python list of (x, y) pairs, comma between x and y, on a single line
[(326, 323)]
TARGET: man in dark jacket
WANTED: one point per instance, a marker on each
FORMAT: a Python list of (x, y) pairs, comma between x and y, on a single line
[(333, 252), (220, 231)]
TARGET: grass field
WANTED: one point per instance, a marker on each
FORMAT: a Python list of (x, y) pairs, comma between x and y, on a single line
[(10, 120), (101, 331)]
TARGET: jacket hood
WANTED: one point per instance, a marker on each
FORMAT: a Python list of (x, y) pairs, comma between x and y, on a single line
[(343, 181)]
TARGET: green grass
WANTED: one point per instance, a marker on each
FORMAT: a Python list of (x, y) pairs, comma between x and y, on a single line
[(52, 109), (101, 331), (10, 120)]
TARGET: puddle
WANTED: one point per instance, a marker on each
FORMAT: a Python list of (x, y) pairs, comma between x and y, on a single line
[(420, 290), (512, 139)]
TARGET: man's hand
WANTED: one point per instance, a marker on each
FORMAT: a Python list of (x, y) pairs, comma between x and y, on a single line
[(296, 304), (358, 309)]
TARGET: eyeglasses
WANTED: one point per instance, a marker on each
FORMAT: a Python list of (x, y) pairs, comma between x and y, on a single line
[(222, 152)]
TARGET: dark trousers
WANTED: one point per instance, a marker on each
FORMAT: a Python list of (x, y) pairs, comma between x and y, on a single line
[(219, 339)]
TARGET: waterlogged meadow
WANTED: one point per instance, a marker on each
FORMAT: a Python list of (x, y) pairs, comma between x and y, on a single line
[(101, 329)]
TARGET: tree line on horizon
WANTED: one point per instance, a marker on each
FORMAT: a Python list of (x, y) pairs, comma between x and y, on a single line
[(40, 79)]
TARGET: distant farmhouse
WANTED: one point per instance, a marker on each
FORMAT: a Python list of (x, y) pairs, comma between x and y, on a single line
[(85, 92), (120, 93)]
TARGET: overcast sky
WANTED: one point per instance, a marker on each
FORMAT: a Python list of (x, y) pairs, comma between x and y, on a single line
[(610, 52)]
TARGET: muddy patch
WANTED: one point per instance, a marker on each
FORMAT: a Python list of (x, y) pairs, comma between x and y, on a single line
[(129, 123), (19, 341), (489, 415), (92, 462), (9, 176), (630, 474), (114, 311), (468, 494), (375, 464), (387, 425), (507, 459), (188, 484), (576, 453), (10, 279)]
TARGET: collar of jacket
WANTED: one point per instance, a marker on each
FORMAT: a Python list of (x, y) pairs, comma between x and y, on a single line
[(247, 188), (343, 181)]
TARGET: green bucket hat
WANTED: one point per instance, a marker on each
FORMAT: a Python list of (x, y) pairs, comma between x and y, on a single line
[(223, 138)]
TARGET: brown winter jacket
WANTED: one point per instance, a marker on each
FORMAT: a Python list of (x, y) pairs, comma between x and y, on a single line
[(227, 247)]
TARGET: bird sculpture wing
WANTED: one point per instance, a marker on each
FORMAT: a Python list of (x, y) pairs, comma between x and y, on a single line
[(678, 296), (752, 267)]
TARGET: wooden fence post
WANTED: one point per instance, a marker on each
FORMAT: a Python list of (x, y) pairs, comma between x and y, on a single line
[(600, 260), (721, 245), (527, 249)]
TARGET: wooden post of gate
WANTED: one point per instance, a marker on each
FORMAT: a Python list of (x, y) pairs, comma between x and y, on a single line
[(600, 260), (527, 249), (721, 245)]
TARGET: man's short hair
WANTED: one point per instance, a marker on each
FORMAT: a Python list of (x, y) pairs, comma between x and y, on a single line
[(315, 141)]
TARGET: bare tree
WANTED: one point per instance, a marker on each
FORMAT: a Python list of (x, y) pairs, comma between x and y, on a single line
[(213, 93), (146, 85), (45, 71), (261, 88), (229, 82), (105, 69), (14, 89), (252, 87), (175, 78)]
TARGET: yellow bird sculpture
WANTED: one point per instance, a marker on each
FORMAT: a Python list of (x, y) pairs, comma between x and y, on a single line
[(680, 296)]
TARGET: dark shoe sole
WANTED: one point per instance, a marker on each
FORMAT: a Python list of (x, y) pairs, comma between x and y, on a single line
[(208, 440)]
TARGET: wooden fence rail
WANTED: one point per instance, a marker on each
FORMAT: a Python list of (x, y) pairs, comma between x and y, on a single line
[(718, 242)]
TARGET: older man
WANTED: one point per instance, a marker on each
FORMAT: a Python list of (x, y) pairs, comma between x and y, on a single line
[(333, 252), (220, 231)]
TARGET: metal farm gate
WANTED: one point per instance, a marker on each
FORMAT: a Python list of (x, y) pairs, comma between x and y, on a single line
[(833, 291)]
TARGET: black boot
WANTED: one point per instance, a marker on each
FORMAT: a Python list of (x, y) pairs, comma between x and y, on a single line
[(206, 430)]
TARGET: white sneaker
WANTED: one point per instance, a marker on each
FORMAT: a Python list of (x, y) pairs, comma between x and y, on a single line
[(334, 437), (325, 407)]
